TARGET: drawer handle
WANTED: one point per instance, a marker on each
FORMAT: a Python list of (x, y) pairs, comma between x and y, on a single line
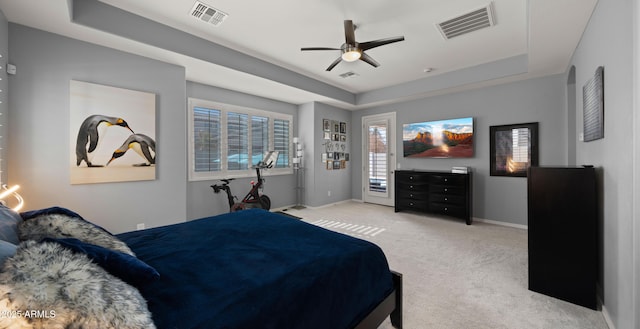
[(446, 179), (446, 209), (411, 186), (410, 177), (411, 203), (446, 199), (445, 190), (411, 195)]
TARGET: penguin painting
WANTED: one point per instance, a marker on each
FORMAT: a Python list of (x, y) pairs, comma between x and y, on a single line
[(90, 134), (142, 144)]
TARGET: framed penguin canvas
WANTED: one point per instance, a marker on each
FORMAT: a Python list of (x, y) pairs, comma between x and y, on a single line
[(112, 134)]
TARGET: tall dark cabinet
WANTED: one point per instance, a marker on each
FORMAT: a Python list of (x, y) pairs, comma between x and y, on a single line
[(563, 249)]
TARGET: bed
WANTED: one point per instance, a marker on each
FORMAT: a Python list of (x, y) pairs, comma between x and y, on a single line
[(249, 269)]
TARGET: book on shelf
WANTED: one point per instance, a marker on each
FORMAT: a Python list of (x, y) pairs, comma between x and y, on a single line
[(459, 170)]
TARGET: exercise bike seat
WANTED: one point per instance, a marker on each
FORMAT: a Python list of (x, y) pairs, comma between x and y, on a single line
[(227, 180)]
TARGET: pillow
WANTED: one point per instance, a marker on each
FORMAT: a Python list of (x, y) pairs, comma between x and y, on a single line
[(124, 266), (60, 226), (66, 290), (6, 250), (9, 221)]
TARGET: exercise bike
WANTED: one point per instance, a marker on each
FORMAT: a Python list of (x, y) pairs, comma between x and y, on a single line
[(253, 199)]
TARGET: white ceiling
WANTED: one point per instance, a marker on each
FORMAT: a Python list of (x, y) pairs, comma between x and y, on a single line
[(546, 31)]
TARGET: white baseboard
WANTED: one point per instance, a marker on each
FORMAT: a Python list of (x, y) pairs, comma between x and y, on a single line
[(331, 204), (495, 222), (607, 318)]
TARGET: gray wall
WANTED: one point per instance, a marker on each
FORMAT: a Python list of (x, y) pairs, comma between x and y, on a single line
[(613, 154), (39, 123), (201, 201), (4, 96), (320, 182), (337, 182), (495, 198), (306, 125)]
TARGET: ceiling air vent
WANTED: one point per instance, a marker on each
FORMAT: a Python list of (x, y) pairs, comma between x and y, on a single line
[(348, 74), (208, 14), (469, 22)]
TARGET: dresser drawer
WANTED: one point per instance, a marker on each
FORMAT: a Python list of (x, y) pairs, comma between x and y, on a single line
[(446, 190), (446, 209), (413, 194), (413, 204), (459, 200), (457, 180), (412, 178), (413, 186)]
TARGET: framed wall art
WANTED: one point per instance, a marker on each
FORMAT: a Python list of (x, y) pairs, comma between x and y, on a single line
[(112, 134), (326, 125), (335, 136), (514, 148), (452, 138), (593, 106)]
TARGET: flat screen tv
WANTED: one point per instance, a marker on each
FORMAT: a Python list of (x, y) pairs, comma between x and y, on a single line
[(452, 138)]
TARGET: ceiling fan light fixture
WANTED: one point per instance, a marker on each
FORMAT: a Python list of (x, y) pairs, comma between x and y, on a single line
[(351, 54)]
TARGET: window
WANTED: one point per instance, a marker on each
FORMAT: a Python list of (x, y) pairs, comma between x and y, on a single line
[(227, 141)]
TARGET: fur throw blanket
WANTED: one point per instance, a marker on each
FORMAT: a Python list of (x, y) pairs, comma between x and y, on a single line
[(45, 285), (60, 226)]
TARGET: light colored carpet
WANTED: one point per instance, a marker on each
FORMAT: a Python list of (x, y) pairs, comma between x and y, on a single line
[(455, 276)]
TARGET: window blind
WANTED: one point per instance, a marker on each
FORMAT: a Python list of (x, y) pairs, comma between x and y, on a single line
[(281, 142), (237, 141), (259, 138), (206, 126), (227, 141)]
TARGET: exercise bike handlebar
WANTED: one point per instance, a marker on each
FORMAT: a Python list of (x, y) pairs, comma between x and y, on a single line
[(264, 165)]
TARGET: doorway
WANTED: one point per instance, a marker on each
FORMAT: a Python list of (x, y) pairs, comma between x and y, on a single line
[(378, 157)]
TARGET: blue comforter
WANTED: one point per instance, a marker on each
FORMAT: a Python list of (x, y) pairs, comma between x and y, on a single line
[(255, 269)]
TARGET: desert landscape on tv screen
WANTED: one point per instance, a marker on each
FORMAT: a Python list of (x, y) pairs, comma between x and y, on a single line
[(438, 139)]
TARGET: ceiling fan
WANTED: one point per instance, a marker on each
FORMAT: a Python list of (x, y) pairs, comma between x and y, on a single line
[(353, 50)]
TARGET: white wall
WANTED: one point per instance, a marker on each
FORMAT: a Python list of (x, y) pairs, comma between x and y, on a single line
[(39, 125), (614, 153)]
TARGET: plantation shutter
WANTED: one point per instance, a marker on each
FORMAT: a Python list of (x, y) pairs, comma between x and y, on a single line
[(206, 126), (259, 138), (281, 142), (237, 141)]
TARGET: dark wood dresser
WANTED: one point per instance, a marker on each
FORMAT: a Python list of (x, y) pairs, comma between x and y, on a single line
[(562, 229), (435, 192)]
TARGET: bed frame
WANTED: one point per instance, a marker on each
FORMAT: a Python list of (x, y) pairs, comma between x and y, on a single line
[(390, 306)]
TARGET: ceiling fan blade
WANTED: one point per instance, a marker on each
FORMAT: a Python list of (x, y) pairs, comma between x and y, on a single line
[(318, 48), (366, 58), (378, 43), (349, 32), (334, 64)]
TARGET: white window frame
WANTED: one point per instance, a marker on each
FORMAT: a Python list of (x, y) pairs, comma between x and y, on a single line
[(224, 109)]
